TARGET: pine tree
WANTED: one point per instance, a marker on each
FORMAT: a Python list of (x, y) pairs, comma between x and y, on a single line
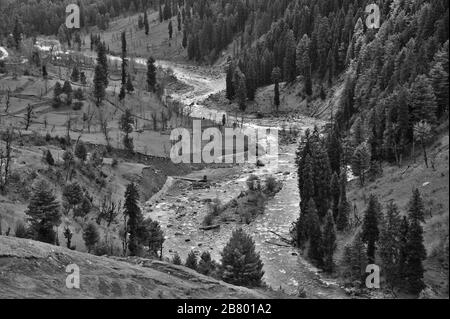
[(335, 194), (80, 151), (122, 93), (75, 76), (289, 67), (99, 85), (423, 134), (334, 148), (322, 178), (241, 265), (205, 265), (134, 215), (102, 60), (329, 242), (150, 233), (276, 78), (390, 244), (415, 207), (151, 74), (370, 231), (415, 249), (129, 86), (126, 126), (176, 260), (191, 261), (49, 158), (303, 62), (361, 162), (68, 236), (423, 100), (403, 250), (241, 91), (146, 26), (43, 212), (91, 236), (315, 251), (439, 80), (170, 29), (355, 260), (44, 72), (229, 81), (17, 32)]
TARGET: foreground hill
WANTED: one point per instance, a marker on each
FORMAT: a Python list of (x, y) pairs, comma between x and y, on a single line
[(31, 269)]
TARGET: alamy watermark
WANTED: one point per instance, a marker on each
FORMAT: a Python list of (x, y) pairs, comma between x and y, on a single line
[(373, 279), (227, 146), (73, 279), (73, 19), (373, 18)]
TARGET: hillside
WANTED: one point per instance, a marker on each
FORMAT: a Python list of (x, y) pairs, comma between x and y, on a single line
[(31, 269)]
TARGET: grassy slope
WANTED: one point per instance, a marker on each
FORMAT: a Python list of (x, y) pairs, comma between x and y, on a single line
[(156, 43), (30, 269), (397, 184)]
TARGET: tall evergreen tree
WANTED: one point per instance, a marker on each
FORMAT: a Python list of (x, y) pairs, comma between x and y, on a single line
[(102, 60), (133, 212), (99, 85), (355, 259), (390, 244), (151, 74), (329, 242), (370, 231), (276, 78), (146, 26), (415, 207), (303, 62), (191, 261), (91, 236), (423, 100), (241, 264), (230, 91), (315, 251), (43, 212), (335, 194), (415, 249), (289, 67), (360, 162)]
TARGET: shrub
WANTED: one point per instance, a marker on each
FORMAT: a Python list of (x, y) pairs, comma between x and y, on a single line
[(176, 260), (205, 265), (77, 106), (271, 184), (49, 158), (80, 151), (115, 162), (91, 236), (209, 218), (78, 94), (191, 261), (253, 183), (20, 230)]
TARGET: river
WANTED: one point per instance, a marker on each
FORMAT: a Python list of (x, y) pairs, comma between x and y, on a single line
[(180, 212)]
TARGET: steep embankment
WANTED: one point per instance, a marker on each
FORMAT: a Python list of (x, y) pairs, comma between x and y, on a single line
[(31, 269)]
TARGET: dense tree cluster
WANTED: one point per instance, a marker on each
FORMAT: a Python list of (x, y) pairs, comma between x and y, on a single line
[(399, 241)]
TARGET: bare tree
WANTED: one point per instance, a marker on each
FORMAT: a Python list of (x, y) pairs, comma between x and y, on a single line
[(8, 94), (103, 121), (28, 116)]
